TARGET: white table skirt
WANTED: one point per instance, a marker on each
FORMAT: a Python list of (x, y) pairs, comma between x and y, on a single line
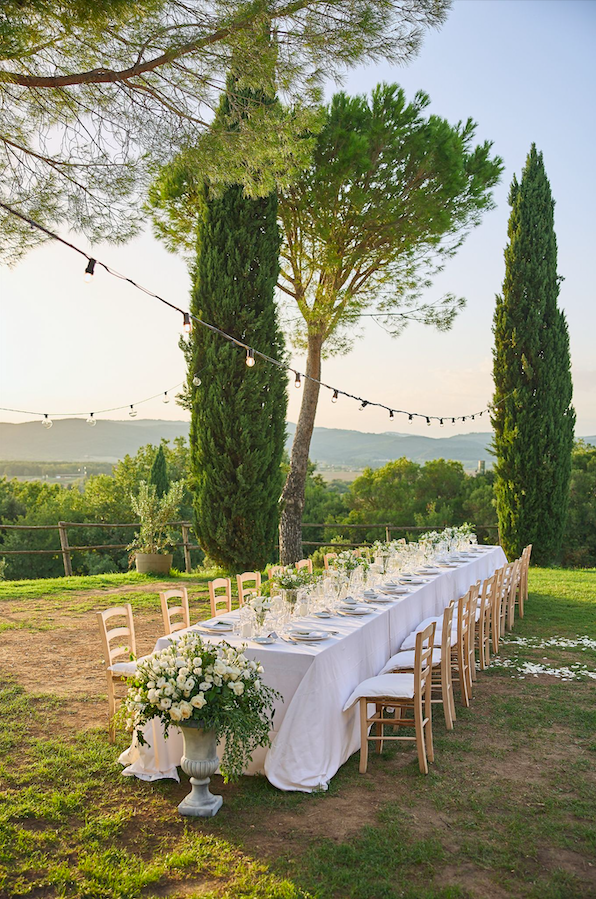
[(312, 736)]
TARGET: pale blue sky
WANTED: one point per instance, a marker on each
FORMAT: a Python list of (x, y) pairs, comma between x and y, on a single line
[(524, 71)]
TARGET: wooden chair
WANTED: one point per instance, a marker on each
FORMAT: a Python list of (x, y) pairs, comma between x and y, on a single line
[(275, 570), (401, 692), (250, 577), (495, 624), (224, 599), (327, 558), (170, 612), (441, 682), (460, 647), (509, 593), (523, 593), (117, 672), (304, 563)]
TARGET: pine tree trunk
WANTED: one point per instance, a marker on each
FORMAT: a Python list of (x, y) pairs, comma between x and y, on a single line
[(290, 527)]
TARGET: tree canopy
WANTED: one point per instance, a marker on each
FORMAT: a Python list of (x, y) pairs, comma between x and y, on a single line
[(93, 95)]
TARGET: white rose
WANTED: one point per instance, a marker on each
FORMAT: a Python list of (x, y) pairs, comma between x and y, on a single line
[(217, 680), (186, 709), (197, 662), (189, 685), (204, 685), (209, 678), (165, 704), (168, 690), (176, 713), (161, 683), (237, 687), (198, 671), (198, 701), (219, 667), (153, 695), (183, 672)]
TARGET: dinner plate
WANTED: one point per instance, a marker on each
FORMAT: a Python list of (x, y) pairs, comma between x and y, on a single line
[(264, 640), (380, 597), (308, 636), (412, 580), (216, 626), (397, 590), (356, 610), (322, 615), (429, 571)]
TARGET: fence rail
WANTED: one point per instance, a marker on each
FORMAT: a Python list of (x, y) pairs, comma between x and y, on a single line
[(66, 548)]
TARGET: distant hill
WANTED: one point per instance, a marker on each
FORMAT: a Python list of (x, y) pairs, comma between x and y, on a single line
[(72, 440)]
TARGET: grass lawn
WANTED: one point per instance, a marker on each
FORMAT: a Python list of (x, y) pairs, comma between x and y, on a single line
[(508, 809)]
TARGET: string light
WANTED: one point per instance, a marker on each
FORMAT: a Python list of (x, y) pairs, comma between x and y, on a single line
[(250, 357), (441, 422), (391, 416), (197, 381), (363, 406), (410, 418), (188, 318), (166, 398), (91, 421), (47, 422), (89, 271)]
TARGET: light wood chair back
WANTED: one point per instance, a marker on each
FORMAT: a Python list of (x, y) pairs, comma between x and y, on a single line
[(471, 632), (169, 612), (483, 623), (304, 563), (514, 588), (125, 646), (327, 558), (420, 704), (523, 594), (497, 607), (460, 659), (223, 599), (248, 577), (275, 570)]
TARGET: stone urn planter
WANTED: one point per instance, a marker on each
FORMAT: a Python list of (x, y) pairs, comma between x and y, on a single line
[(200, 762), (153, 563)]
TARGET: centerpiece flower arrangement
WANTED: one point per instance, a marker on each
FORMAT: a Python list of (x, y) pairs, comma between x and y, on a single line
[(347, 562), (290, 582), (259, 606), (213, 687)]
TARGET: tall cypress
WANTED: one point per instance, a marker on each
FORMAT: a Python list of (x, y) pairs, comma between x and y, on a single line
[(238, 413), (533, 417), (159, 472)]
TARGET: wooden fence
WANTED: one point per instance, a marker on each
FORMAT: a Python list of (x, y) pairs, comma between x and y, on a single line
[(66, 548)]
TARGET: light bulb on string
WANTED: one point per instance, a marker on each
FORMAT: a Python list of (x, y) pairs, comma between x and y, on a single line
[(133, 412), (47, 422), (297, 381), (335, 396), (410, 418), (196, 381), (391, 416), (363, 406), (166, 398), (250, 357), (186, 323), (91, 421), (89, 271), (441, 422), (452, 421), (472, 418), (428, 422)]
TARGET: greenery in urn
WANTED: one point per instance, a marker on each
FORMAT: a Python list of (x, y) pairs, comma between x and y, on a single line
[(155, 513), (213, 687)]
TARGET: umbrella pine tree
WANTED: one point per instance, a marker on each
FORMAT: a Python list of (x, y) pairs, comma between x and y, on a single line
[(533, 417)]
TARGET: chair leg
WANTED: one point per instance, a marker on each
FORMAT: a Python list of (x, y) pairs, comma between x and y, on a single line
[(381, 727), (418, 719), (463, 679), (446, 694), (111, 709), (428, 714), (363, 736)]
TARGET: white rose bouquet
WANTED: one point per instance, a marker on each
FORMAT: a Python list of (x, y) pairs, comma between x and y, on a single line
[(259, 606), (347, 562), (214, 685), (292, 579)]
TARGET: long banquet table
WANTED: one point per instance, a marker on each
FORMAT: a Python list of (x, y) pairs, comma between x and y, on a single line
[(312, 736)]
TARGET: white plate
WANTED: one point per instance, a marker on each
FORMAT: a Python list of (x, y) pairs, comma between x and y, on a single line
[(379, 598), (216, 626), (309, 636), (356, 610), (413, 580), (429, 571), (322, 615), (265, 640), (397, 591)]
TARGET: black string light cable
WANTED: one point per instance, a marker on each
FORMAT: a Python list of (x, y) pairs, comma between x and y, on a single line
[(251, 353)]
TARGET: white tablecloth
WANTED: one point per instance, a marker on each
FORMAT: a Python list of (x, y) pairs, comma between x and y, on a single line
[(312, 736)]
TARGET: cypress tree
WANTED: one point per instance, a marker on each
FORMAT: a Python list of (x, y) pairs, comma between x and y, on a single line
[(238, 413), (159, 473), (533, 417)]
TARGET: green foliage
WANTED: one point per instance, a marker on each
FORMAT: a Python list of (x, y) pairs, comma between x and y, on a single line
[(95, 95), (533, 417), (159, 473), (579, 538), (237, 430), (155, 513), (389, 194)]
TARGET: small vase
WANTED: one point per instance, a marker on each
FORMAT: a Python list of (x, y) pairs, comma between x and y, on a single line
[(199, 761), (290, 598)]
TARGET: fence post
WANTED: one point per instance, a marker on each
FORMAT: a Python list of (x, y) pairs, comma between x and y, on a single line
[(388, 534), (185, 541), (65, 548)]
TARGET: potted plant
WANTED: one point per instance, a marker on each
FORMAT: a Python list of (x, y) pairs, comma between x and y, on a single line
[(153, 539), (211, 692)]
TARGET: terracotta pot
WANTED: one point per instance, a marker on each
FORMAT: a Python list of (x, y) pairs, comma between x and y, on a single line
[(199, 761), (153, 563)]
